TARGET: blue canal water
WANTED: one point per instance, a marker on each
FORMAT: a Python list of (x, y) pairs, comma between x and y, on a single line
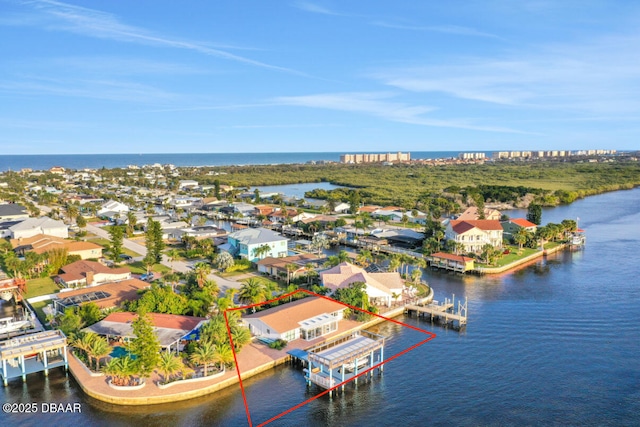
[(556, 343)]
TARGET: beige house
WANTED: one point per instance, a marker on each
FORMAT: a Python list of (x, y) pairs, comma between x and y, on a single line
[(307, 318), (474, 234), (86, 273), (41, 243), (380, 287), (472, 214)]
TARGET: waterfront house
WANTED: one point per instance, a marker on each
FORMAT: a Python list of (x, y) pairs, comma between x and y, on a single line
[(474, 234), (381, 288), (87, 273), (512, 226), (244, 243), (172, 330), (452, 262), (105, 296), (307, 318), (43, 225)]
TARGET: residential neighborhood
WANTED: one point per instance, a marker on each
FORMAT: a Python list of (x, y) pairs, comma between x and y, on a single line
[(150, 258)]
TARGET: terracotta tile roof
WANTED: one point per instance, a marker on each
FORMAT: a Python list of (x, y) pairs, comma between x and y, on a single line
[(79, 269), (286, 317), (281, 262), (159, 320), (522, 222)]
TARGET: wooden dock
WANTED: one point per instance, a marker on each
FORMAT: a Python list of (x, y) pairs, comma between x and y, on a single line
[(444, 312)]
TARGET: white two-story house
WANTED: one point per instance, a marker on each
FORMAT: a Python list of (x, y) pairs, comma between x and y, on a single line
[(474, 234)]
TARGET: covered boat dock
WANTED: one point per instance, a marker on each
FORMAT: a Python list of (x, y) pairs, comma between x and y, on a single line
[(33, 353), (335, 362)]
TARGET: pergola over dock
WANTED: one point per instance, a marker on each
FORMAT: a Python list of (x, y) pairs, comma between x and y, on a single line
[(33, 353), (352, 353)]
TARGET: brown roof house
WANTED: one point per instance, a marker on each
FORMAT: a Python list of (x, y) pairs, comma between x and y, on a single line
[(307, 318), (105, 296), (380, 287), (87, 273)]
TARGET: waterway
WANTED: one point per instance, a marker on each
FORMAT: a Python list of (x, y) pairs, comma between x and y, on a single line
[(556, 343)]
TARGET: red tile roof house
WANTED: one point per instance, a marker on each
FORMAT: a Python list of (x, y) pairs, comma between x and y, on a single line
[(307, 318), (380, 287), (473, 235), (172, 330), (87, 273)]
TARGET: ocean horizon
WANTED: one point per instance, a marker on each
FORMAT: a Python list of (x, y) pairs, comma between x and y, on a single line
[(16, 162)]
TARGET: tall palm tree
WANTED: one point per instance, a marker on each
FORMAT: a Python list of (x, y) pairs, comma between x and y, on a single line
[(202, 270), (290, 269)]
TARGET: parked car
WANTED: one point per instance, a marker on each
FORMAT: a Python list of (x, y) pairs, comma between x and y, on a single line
[(147, 277)]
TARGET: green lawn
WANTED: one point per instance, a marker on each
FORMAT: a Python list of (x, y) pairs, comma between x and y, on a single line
[(139, 268), (513, 256), (38, 306), (41, 286)]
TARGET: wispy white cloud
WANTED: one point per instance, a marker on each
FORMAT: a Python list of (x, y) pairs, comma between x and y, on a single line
[(313, 8), (105, 89), (379, 105), (448, 29), (98, 24), (602, 76)]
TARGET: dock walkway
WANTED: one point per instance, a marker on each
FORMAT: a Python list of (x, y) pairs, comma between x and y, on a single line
[(444, 312)]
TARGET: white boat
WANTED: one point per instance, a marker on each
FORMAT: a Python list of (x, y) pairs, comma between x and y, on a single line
[(12, 324), (349, 367)]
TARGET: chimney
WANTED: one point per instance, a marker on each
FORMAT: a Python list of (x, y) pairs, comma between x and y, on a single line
[(89, 276)]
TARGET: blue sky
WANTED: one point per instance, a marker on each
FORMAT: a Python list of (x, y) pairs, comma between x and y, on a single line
[(151, 76)]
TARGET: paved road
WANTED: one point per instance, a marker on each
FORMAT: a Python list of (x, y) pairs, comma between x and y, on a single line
[(180, 266)]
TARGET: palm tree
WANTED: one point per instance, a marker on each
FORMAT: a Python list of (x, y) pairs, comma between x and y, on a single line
[(364, 258), (224, 355), (131, 222), (520, 238), (121, 369), (82, 341), (241, 337), (253, 291), (416, 274), (204, 354), (173, 255), (202, 270), (259, 251), (98, 348), (169, 365), (290, 269), (320, 242), (310, 271)]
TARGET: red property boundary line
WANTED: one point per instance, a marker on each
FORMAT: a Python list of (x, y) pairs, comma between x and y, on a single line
[(299, 405)]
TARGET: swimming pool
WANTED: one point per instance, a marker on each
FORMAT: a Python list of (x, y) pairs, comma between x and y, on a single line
[(119, 351)]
